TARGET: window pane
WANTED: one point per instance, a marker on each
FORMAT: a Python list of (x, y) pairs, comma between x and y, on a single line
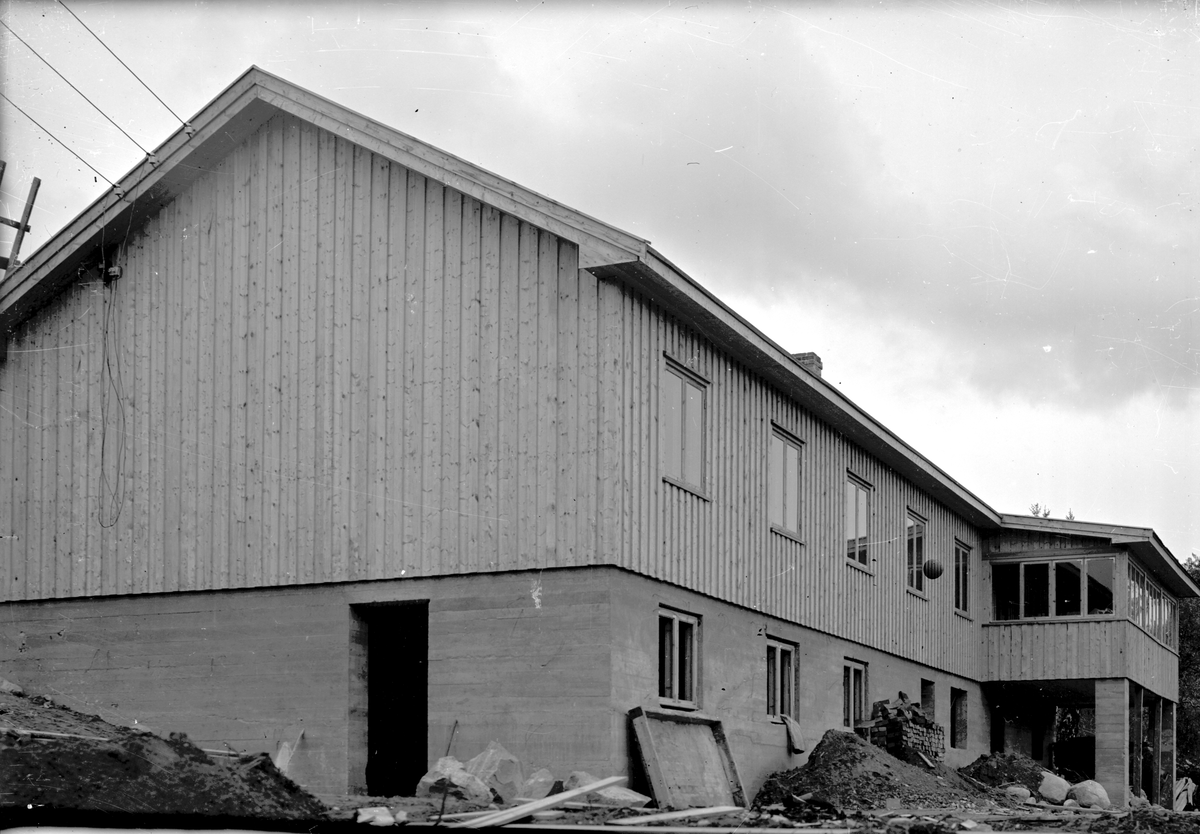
[(862, 521), (916, 553), (859, 695), (845, 696), (786, 677), (962, 578), (693, 441), (687, 649), (775, 480), (772, 682), (1006, 590), (671, 425), (666, 657), (850, 506), (1037, 590), (1068, 587), (791, 488), (1099, 586)]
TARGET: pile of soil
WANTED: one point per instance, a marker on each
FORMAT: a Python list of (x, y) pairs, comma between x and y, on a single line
[(999, 769), (127, 771), (851, 774)]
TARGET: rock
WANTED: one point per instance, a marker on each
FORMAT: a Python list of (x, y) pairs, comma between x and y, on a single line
[(449, 777), (1018, 793), (1089, 794), (10, 687), (375, 816), (499, 770), (1138, 801), (1070, 803), (617, 796), (1053, 788), (538, 785)]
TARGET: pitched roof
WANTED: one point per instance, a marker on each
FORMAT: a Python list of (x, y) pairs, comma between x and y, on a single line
[(257, 96)]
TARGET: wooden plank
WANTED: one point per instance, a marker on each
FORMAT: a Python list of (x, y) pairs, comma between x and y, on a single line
[(359, 480), (449, 490), (377, 378), (508, 815), (271, 461), (527, 555), (341, 368), (689, 814), (63, 427), (566, 490), (469, 416), (509, 415), (323, 324), (397, 307), (490, 417), (687, 759), (223, 280), (188, 372), (257, 310), (588, 427), (433, 381), (201, 567), (545, 461), (292, 456), (308, 441), (171, 426), (414, 371), (240, 275)]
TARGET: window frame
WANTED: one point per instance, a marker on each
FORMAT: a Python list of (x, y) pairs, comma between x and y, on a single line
[(1151, 608), (854, 698), (862, 553), (915, 569), (962, 578), (669, 692), (1051, 565), (788, 440), (779, 696), (687, 378)]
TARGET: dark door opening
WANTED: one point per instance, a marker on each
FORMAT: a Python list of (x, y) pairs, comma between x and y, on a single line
[(397, 672)]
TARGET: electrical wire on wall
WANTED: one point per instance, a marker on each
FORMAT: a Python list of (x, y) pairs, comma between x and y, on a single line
[(112, 392)]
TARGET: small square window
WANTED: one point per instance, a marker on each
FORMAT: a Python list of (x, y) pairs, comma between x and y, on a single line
[(781, 678), (854, 692), (915, 536), (682, 427), (857, 515), (677, 643), (783, 477)]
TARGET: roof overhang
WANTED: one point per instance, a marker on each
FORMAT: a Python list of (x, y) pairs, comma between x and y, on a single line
[(228, 120), (1143, 542)]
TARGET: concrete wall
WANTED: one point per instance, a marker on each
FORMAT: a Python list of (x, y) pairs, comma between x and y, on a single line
[(522, 658), (732, 677)]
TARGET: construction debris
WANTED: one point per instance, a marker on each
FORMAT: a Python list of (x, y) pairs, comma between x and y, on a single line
[(614, 795), (902, 728), (450, 777), (499, 771)]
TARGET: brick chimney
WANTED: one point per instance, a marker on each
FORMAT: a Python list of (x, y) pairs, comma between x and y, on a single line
[(810, 362)]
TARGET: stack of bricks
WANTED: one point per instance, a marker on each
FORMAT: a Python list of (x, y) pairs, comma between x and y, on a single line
[(900, 727)]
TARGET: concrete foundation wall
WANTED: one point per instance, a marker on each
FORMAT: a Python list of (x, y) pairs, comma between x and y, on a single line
[(520, 658), (1112, 738)]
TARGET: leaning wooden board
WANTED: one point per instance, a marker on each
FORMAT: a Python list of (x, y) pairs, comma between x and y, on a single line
[(687, 759)]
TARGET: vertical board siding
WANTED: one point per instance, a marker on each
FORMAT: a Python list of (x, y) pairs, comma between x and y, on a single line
[(332, 368)]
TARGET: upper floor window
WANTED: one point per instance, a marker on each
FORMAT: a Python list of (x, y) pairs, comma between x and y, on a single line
[(857, 517), (682, 427), (783, 473), (1150, 607), (677, 644), (1057, 588), (781, 678), (962, 577), (915, 536)]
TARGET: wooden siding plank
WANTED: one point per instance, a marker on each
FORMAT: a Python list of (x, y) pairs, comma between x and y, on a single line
[(271, 462), (308, 511), (359, 481), (240, 442), (396, 317), (172, 413), (527, 399), (292, 459), (544, 467), (341, 461), (434, 378), (566, 490), (470, 523), (588, 434), (327, 218), (223, 280), (509, 385), (200, 568), (414, 372), (187, 371), (449, 489), (377, 376), (490, 382), (257, 347)]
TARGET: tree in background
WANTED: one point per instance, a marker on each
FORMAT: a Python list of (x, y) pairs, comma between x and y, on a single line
[(1187, 718)]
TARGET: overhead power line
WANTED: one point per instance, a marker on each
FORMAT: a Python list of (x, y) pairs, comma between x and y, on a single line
[(122, 63), (56, 139), (73, 87)]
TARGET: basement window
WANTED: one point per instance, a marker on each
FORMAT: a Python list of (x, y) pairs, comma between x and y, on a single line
[(857, 515), (677, 642), (915, 536), (781, 678), (958, 718), (854, 692)]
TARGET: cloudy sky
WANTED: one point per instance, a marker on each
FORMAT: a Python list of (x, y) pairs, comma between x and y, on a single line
[(982, 215)]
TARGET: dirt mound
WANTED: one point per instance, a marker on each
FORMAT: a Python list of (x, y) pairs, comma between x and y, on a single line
[(999, 769), (122, 770), (851, 774)]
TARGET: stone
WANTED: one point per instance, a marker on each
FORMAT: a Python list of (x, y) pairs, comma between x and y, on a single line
[(538, 785), (1070, 803), (375, 816), (1089, 794), (1138, 800), (1053, 788), (499, 770), (613, 795), (10, 687), (449, 777), (1018, 792)]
